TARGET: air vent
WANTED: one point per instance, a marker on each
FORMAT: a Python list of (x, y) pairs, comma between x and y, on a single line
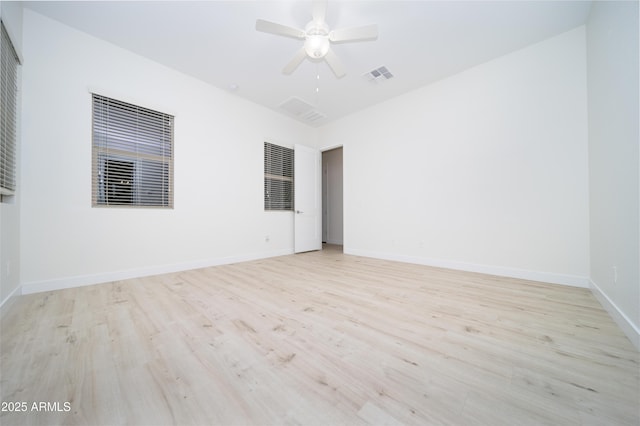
[(301, 109), (313, 116), (378, 75)]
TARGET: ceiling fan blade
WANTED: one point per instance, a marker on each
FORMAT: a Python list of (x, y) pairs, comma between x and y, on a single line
[(319, 11), (293, 63), (278, 29), (367, 32), (334, 63)]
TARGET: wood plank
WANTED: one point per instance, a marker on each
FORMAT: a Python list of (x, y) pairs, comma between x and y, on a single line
[(318, 338)]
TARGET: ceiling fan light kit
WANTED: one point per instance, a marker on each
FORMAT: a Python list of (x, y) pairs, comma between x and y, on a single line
[(318, 38), (316, 43), (316, 46)]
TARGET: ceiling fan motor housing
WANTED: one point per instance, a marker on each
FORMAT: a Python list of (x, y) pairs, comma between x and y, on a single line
[(316, 39)]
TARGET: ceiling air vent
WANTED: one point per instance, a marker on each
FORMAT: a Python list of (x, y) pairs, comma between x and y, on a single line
[(378, 75), (301, 109), (313, 115)]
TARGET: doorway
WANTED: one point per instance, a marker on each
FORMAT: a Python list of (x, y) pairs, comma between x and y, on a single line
[(332, 198)]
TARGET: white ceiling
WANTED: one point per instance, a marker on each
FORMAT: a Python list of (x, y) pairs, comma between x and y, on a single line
[(419, 42)]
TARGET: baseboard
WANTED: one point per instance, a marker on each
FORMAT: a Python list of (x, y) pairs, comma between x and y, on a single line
[(9, 300), (620, 318), (570, 280), (84, 280)]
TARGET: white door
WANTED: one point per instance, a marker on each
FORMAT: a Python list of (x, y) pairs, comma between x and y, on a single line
[(308, 199)]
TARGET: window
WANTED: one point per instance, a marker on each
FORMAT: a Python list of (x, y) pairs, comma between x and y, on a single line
[(8, 110), (278, 177), (132, 155)]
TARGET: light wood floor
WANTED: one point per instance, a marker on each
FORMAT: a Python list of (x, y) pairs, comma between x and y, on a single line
[(318, 339)]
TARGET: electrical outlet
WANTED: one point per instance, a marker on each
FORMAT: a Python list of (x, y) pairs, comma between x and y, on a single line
[(615, 274), (266, 238)]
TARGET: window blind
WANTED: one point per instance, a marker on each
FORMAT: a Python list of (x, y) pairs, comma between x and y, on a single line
[(132, 155), (278, 177), (8, 111)]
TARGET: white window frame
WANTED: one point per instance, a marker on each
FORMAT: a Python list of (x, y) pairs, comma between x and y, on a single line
[(132, 162), (9, 62), (278, 178)]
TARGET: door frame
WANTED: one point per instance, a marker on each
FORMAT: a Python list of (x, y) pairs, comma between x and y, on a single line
[(325, 182)]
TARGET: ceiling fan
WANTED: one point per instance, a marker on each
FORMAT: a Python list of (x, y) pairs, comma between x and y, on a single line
[(318, 38)]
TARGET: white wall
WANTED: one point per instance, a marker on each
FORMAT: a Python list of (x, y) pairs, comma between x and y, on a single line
[(612, 36), (218, 215), (332, 195), (11, 13), (485, 170)]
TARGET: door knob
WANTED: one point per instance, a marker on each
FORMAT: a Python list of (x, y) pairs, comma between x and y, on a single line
[(299, 212)]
